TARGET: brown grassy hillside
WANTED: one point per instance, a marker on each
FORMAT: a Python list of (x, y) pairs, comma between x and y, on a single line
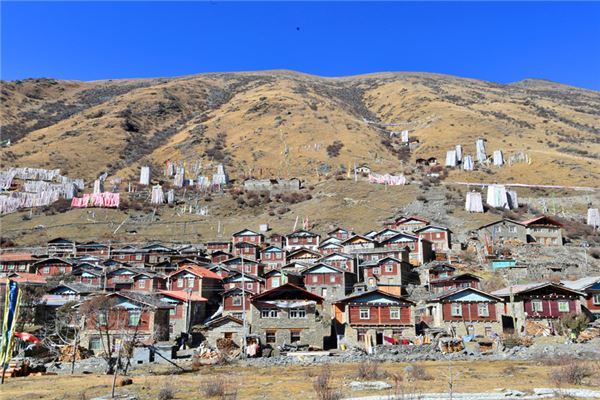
[(248, 119)]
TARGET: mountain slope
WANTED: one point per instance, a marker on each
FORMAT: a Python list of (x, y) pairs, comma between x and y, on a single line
[(280, 123)]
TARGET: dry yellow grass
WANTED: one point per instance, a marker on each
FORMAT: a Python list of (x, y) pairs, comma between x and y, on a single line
[(293, 382)]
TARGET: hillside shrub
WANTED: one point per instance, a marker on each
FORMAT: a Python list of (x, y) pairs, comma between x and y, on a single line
[(333, 150)]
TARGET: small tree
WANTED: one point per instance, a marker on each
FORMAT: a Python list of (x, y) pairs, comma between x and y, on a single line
[(573, 323)]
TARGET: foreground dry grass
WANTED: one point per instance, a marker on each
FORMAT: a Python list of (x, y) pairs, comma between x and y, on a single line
[(291, 383)]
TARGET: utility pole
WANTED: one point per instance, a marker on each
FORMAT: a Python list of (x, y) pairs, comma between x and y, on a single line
[(244, 321)]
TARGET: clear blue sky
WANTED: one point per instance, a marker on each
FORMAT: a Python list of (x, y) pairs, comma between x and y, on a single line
[(501, 42)]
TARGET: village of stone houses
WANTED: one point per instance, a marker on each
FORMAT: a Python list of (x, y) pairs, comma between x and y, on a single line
[(457, 271)]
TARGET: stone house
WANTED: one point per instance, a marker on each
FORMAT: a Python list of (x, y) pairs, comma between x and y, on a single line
[(289, 314), (278, 277), (544, 230), (466, 311), (253, 283), (224, 327), (504, 230)]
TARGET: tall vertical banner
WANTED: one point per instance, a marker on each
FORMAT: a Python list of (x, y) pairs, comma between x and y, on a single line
[(11, 313)]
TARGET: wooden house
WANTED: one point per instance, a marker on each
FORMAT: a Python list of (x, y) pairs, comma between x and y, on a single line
[(340, 234), (591, 287), (329, 282), (303, 255), (130, 255), (466, 311), (92, 249), (410, 224), (289, 314), (388, 274), (250, 266), (51, 266), (272, 257), (187, 309), (233, 300), (385, 234), (61, 248), (302, 238), (88, 276), (330, 247), (218, 256), (157, 252), (277, 277), (453, 282), (252, 283), (249, 236), (277, 239), (129, 314), (15, 262), (358, 243), (420, 249), (339, 260), (218, 245), (541, 303), (439, 236), (246, 249), (384, 317), (198, 280)]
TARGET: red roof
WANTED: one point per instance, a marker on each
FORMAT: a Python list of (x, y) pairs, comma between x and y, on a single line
[(26, 277), (182, 295), (16, 257), (199, 271), (541, 217)]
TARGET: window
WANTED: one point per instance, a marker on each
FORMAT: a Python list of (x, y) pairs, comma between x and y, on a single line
[(488, 331), (596, 299), (95, 344), (295, 336), (360, 335), (298, 313), (275, 282), (142, 283), (364, 313), (249, 285), (138, 257), (190, 283), (512, 229), (537, 306), (376, 271), (271, 336), (438, 235), (248, 268), (395, 313), (315, 279), (236, 301), (62, 270), (563, 306), (269, 313), (332, 278), (101, 318), (180, 282), (46, 270), (483, 310), (133, 317), (172, 312), (456, 309), (323, 292), (389, 268)]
